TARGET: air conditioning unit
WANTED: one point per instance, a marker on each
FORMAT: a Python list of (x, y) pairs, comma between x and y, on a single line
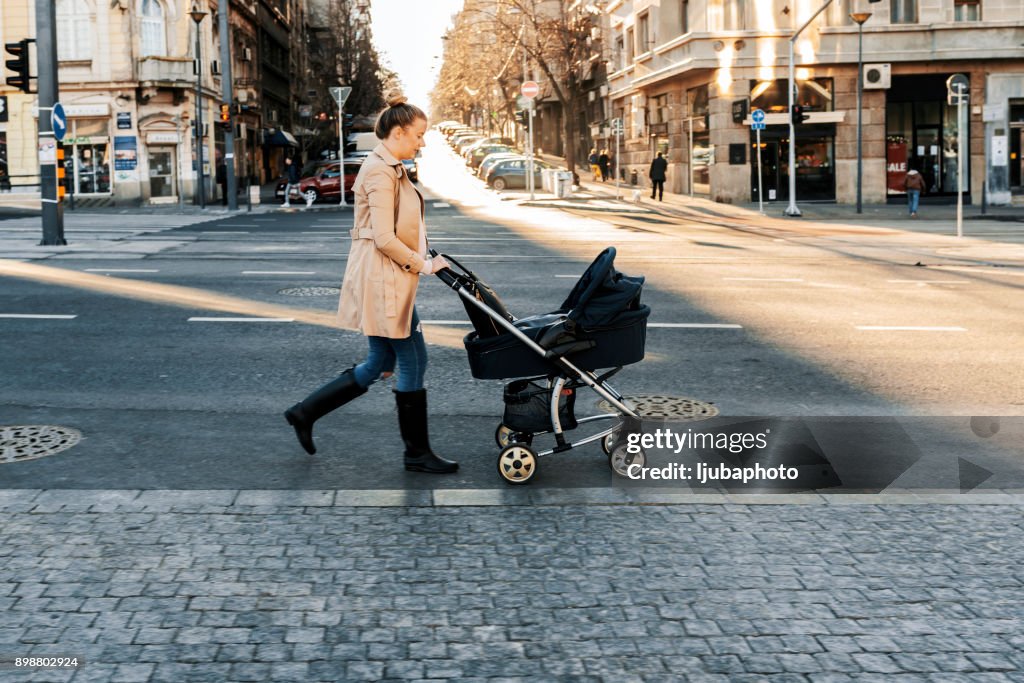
[(246, 54), (877, 76)]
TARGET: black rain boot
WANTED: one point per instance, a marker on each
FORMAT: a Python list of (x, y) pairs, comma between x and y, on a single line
[(412, 422), (330, 396)]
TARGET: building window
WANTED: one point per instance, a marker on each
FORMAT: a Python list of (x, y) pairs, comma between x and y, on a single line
[(838, 13), (154, 34), (74, 30), (903, 11), (727, 15), (659, 105), (967, 10), (643, 34), (620, 53), (684, 17), (630, 51)]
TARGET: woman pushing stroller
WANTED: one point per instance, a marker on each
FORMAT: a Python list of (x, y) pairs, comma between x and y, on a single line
[(378, 294)]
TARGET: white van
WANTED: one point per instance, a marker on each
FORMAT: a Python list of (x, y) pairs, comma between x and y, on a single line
[(364, 142)]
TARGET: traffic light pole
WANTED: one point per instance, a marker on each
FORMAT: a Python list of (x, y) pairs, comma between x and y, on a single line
[(227, 92), (46, 59), (792, 209)]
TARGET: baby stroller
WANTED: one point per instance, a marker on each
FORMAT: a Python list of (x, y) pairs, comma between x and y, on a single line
[(600, 326)]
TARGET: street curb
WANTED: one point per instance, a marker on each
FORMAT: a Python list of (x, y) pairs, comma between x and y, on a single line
[(134, 500)]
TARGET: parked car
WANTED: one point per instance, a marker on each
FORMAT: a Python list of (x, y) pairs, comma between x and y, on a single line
[(491, 159), (325, 184), (477, 155), (512, 173), (490, 141), (464, 143)]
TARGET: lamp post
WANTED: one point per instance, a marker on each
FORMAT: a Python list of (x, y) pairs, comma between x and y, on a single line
[(860, 18), (197, 16)]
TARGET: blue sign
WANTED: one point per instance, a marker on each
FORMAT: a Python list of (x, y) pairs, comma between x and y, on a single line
[(58, 121), (757, 116), (757, 126)]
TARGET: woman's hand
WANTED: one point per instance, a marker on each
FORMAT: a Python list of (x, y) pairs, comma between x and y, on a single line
[(437, 263)]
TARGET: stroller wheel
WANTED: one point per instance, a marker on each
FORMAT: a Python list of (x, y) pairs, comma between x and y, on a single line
[(608, 442), (517, 464), (620, 460), (505, 435)]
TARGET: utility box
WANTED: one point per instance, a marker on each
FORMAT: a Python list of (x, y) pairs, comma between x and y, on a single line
[(563, 184)]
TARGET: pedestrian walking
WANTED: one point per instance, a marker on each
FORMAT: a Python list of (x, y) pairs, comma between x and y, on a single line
[(222, 180), (914, 185), (595, 167), (378, 294), (657, 176), (602, 163), (291, 174)]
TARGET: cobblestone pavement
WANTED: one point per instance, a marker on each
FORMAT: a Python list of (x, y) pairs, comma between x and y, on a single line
[(145, 590)]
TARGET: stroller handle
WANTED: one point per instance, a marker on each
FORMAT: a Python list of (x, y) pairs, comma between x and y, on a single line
[(445, 274)]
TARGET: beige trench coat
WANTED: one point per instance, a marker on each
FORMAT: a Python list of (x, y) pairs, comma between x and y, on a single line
[(383, 271)]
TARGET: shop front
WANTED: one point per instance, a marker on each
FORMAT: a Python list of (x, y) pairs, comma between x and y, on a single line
[(922, 133)]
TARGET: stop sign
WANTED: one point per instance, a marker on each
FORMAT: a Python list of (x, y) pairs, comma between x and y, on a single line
[(530, 89)]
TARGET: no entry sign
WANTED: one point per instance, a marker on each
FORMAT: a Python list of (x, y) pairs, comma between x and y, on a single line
[(530, 89)]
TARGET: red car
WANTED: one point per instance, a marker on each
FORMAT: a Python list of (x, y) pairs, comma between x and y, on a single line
[(326, 183)]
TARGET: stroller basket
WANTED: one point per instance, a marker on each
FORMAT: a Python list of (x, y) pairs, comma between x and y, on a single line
[(528, 407)]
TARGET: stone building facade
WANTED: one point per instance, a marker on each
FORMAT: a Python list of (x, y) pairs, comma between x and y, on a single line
[(684, 75)]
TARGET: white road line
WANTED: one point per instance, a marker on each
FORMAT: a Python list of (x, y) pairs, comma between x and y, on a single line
[(37, 316), (225, 232), (907, 328), (765, 279), (238, 225), (574, 277), (278, 272), (446, 322), (322, 232), (121, 270), (441, 205), (708, 326), (931, 282), (241, 320)]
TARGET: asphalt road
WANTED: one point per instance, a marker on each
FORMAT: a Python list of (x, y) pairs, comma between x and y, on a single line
[(837, 326)]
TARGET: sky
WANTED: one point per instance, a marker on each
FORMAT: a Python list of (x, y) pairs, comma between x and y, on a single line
[(408, 35)]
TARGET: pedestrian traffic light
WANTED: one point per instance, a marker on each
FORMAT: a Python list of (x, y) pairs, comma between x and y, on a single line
[(225, 116), (19, 65), (799, 114)]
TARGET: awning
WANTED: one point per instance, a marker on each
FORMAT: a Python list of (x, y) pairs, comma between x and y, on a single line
[(280, 138)]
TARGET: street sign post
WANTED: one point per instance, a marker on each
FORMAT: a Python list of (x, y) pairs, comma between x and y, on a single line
[(58, 121), (529, 90), (757, 125), (958, 93), (617, 131), (340, 95)]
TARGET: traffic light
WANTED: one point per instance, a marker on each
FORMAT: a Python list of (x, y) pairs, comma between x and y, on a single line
[(19, 65), (225, 116), (799, 114), (523, 118)]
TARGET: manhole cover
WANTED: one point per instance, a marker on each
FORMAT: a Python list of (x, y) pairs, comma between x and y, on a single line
[(28, 442), (310, 291), (661, 407)]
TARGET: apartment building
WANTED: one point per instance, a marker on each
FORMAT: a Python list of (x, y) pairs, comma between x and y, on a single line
[(684, 76), (128, 84)]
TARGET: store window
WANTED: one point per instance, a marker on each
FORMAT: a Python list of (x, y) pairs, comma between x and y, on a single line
[(815, 94), (74, 30), (903, 11), (701, 152), (967, 10), (154, 31), (90, 152)]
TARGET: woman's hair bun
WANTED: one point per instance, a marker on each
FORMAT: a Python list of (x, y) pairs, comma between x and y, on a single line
[(397, 100)]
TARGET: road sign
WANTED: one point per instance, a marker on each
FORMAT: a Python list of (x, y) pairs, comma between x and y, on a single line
[(524, 103), (757, 116), (341, 94), (58, 121), (530, 89), (617, 126), (957, 89)]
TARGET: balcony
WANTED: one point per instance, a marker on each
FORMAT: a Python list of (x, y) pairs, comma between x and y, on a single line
[(175, 72)]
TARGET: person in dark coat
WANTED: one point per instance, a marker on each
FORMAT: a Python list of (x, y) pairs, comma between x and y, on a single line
[(291, 172), (602, 163), (222, 180), (657, 175)]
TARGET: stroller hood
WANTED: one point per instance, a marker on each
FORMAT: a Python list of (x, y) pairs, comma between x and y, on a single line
[(602, 293)]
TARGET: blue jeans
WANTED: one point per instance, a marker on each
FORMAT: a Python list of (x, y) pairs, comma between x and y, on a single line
[(913, 197), (410, 354)]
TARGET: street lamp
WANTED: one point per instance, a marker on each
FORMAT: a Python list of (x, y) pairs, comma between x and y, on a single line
[(197, 16), (860, 18)]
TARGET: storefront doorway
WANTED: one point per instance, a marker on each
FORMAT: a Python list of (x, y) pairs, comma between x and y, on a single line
[(162, 175), (815, 163)]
